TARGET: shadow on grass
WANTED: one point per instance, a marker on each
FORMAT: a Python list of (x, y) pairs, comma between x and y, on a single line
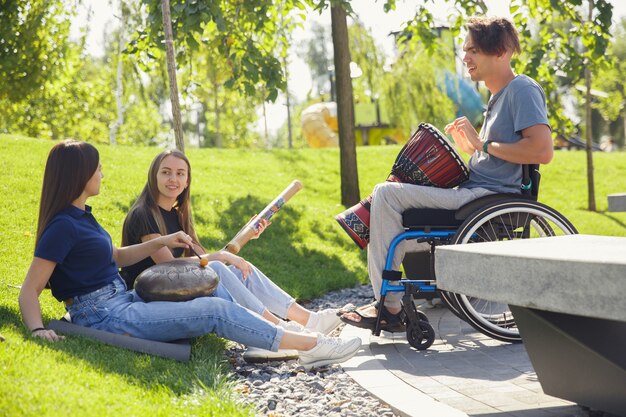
[(207, 367), (613, 218), (11, 318), (124, 208), (300, 271), (339, 236)]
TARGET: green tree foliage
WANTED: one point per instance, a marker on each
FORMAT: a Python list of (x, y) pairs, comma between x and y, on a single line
[(414, 90), (370, 59), (79, 103), (559, 41), (247, 34), (72, 104), (612, 79), (33, 44), (225, 114), (144, 89), (230, 55), (73, 95), (315, 53)]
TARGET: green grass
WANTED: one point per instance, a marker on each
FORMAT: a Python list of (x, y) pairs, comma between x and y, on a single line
[(564, 187), (304, 251)]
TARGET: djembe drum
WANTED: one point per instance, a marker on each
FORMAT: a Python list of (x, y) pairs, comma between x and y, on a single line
[(428, 159), (176, 281)]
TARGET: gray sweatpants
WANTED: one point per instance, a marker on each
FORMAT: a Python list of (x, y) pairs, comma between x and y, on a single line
[(389, 200)]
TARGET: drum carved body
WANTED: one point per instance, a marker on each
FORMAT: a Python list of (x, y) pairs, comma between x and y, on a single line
[(426, 159), (176, 281)]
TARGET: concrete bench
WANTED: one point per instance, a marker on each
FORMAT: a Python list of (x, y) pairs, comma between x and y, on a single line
[(567, 295), (617, 202)]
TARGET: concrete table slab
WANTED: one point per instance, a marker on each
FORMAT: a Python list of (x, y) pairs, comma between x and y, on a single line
[(575, 274), (567, 296), (617, 202)]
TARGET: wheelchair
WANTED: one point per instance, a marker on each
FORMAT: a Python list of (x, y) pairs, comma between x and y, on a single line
[(495, 217)]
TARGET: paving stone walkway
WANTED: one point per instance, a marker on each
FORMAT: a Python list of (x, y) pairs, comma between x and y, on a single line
[(464, 373)]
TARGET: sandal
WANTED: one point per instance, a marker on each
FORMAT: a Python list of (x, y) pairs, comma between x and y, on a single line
[(389, 322), (350, 308)]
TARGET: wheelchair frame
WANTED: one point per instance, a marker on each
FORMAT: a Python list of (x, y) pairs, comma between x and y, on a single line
[(515, 215)]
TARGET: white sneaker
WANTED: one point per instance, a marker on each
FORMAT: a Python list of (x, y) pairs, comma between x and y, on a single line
[(324, 321), (329, 350), (258, 355), (292, 326)]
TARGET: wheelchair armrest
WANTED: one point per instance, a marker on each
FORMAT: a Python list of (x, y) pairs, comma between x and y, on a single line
[(465, 211)]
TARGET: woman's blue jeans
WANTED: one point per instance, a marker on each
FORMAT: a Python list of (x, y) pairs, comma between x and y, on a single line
[(257, 292), (114, 309)]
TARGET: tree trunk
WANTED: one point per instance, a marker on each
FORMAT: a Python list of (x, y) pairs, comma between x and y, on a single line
[(212, 74), (119, 93), (218, 115), (119, 90), (289, 131), (590, 182), (623, 144), (268, 145), (216, 109), (171, 71), (287, 98), (345, 108)]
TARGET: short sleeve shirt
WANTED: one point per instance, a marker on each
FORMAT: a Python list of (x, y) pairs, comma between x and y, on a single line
[(519, 105), (139, 228), (82, 250)]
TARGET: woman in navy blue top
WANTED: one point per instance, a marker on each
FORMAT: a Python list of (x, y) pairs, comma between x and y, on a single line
[(75, 255)]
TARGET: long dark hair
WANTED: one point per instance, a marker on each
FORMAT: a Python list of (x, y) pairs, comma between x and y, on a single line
[(69, 167), (146, 207)]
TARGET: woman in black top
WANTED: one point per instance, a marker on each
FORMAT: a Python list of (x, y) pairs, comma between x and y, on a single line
[(164, 207)]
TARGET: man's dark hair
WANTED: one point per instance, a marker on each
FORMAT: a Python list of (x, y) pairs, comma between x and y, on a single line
[(493, 35)]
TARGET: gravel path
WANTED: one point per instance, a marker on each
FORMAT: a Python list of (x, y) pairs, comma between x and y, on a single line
[(282, 389)]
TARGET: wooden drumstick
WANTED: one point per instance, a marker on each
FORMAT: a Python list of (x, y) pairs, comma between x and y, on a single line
[(249, 230), (203, 261)]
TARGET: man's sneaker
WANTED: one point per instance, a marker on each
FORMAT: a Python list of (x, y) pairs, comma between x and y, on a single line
[(292, 326), (324, 321), (329, 350)]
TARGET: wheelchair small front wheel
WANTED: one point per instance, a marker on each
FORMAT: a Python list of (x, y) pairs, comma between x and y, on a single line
[(420, 335), (422, 316)]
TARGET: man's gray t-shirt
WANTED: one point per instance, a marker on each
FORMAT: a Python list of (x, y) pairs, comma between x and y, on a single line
[(519, 105)]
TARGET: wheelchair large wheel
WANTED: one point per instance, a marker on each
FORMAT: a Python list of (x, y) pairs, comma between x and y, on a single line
[(449, 300), (509, 220)]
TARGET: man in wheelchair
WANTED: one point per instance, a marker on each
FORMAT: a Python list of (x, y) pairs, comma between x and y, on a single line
[(515, 132)]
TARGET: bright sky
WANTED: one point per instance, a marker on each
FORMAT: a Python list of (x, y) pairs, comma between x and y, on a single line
[(370, 12)]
